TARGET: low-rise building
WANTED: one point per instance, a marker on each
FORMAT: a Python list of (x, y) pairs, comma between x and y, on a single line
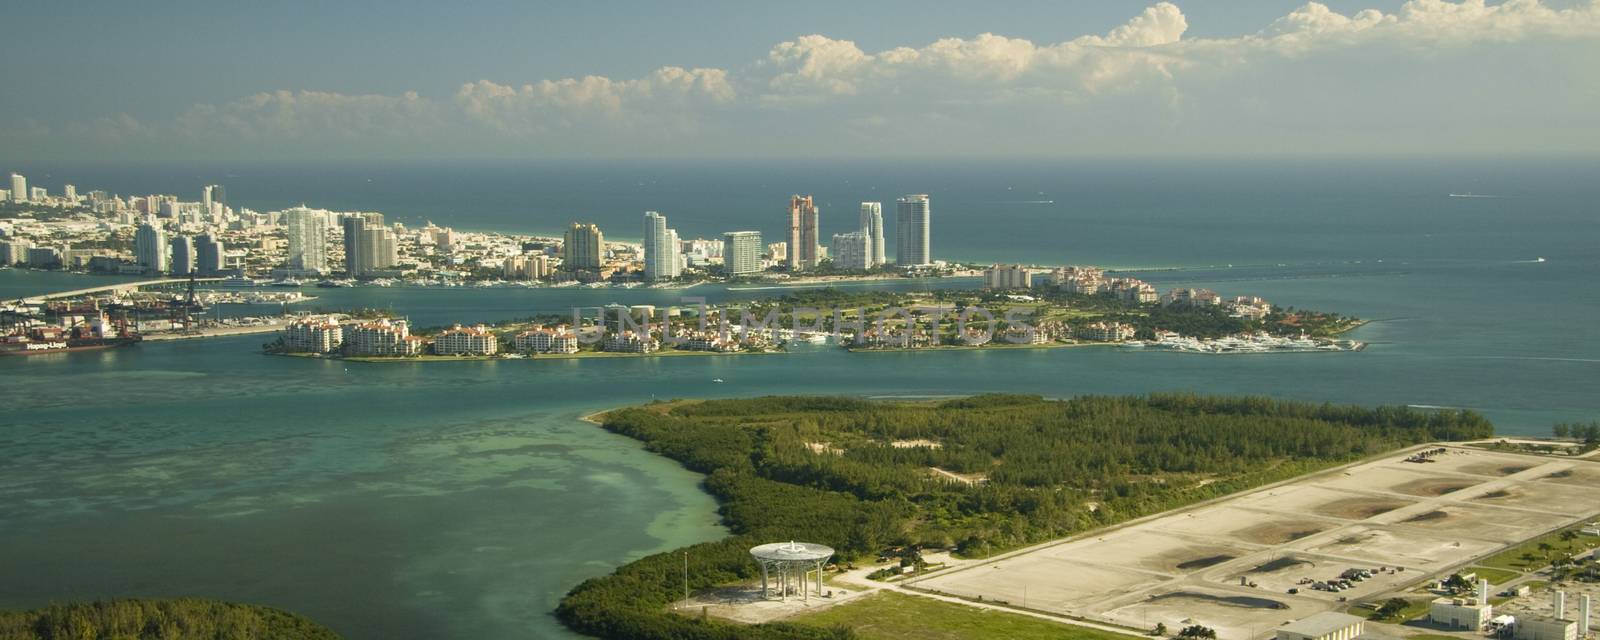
[(1250, 307), (383, 337), (631, 342), (707, 341), (1460, 613), (1026, 335), (312, 336), (459, 340), (1191, 298), (546, 340), (1105, 332), (1327, 625), (1531, 627)]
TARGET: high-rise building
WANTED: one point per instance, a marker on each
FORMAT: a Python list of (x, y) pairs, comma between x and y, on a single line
[(14, 251), (660, 248), (183, 258), (911, 231), (803, 234), (308, 240), (528, 266), (70, 192), (872, 223), (368, 244), (583, 247), (19, 188), (852, 250), (150, 248), (741, 252), (208, 251)]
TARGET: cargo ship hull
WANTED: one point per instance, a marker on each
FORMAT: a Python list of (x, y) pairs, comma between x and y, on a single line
[(14, 349)]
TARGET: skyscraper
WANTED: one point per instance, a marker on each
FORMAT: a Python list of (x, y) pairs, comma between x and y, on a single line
[(741, 252), (660, 248), (911, 231), (872, 223), (182, 255), (852, 250), (70, 192), (582, 247), (208, 255), (150, 248), (19, 188), (803, 232), (368, 244), (308, 240)]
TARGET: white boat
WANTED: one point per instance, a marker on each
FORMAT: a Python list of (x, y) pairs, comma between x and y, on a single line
[(287, 282), (716, 379), (238, 282)]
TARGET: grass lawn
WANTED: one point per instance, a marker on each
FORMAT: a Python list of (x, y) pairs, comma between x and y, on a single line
[(1494, 576), (895, 616), (1416, 609), (1513, 558)]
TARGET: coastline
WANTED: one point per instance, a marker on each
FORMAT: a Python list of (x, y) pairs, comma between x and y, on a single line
[(581, 355)]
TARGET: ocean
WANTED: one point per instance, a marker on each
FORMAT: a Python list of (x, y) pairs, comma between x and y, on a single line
[(462, 499)]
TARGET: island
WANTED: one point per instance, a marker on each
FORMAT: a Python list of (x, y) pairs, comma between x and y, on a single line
[(964, 478)]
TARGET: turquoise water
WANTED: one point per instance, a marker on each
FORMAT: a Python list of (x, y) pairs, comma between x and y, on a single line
[(461, 499)]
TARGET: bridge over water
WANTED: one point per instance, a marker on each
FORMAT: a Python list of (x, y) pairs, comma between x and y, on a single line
[(120, 287)]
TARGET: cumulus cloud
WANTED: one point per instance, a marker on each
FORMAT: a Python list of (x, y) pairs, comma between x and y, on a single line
[(665, 96), (1142, 83)]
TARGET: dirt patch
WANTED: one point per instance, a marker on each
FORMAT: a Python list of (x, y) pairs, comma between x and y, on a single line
[(1360, 538), (1246, 602), (1281, 564), (1497, 494), (1207, 561), (1279, 532), (1564, 473), (1495, 468), (1361, 508), (1433, 487), (1431, 516)]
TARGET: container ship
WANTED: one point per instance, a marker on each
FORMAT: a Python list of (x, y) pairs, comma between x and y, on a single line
[(99, 333)]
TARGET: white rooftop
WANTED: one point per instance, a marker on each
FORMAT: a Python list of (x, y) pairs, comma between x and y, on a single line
[(1321, 624)]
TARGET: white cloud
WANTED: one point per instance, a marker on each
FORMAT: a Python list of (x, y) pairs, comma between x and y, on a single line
[(667, 95), (1142, 85)]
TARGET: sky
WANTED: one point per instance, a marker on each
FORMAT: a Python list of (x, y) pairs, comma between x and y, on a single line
[(195, 81)]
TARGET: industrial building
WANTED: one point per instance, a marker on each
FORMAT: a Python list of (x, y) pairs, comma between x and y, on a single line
[(1324, 626), (1461, 613), (1544, 628)]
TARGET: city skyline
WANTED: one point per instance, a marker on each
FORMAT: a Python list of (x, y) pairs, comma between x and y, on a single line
[(1114, 79)]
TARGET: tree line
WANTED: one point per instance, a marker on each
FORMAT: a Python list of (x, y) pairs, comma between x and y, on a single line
[(175, 619)]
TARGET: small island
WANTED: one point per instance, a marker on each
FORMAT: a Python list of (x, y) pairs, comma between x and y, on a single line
[(1125, 313)]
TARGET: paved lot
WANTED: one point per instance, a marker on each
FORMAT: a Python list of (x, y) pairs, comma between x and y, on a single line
[(1411, 519)]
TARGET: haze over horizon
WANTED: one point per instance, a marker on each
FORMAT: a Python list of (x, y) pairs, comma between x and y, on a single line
[(180, 82)]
